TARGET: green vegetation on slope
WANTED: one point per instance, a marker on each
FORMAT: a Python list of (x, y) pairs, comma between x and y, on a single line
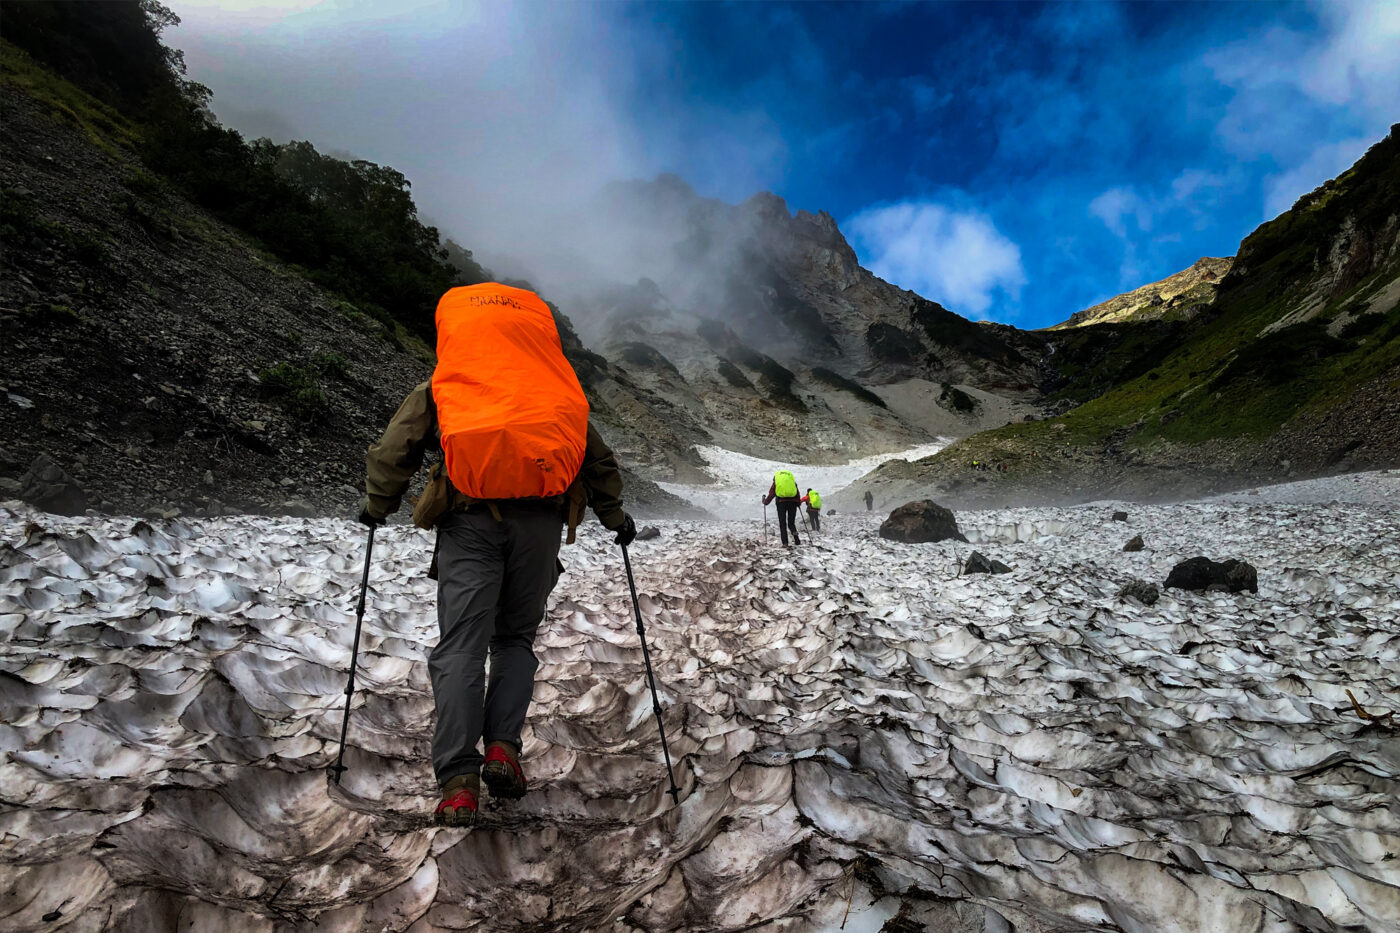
[(1090, 360), (1223, 376), (352, 227), (103, 125)]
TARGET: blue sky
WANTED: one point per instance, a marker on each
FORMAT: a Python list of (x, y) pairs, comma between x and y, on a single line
[(1016, 162)]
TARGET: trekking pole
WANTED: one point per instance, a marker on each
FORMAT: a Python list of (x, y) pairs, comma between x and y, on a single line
[(765, 523), (338, 769), (651, 678)]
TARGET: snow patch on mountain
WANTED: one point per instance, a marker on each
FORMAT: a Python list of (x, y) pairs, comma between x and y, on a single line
[(740, 481)]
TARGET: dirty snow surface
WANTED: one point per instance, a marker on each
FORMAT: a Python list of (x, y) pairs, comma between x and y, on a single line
[(860, 734)]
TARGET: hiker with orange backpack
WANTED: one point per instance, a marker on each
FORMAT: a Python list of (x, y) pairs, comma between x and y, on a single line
[(520, 462), (784, 489)]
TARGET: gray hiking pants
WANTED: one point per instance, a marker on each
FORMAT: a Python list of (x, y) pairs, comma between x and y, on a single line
[(494, 579), (787, 518)]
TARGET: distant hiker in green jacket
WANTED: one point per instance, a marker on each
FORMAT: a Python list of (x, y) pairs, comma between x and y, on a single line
[(784, 489), (813, 501)]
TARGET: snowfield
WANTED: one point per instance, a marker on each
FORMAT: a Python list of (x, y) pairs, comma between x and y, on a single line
[(860, 733), (741, 481)]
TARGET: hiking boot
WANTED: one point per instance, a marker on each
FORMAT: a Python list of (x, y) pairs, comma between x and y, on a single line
[(458, 806), (502, 773)]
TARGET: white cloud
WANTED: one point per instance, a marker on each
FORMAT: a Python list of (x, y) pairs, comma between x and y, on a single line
[(1117, 205), (1194, 186), (1302, 99), (1360, 62), (955, 257), (1325, 162)]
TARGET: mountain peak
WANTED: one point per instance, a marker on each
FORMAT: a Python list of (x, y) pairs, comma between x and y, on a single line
[(1177, 296), (768, 206)]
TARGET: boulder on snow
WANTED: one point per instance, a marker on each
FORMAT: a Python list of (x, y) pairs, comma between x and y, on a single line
[(1144, 592), (48, 486), (1120, 516), (648, 532), (980, 563), (921, 522), (1202, 573), (1134, 544)]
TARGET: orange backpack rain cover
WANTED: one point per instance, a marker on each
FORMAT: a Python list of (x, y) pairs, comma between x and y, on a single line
[(512, 415)]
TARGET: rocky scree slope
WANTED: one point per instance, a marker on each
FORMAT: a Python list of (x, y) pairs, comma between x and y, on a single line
[(163, 360), (1293, 370), (713, 385)]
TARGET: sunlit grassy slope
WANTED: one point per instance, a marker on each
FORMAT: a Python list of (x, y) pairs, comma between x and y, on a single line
[(1234, 373)]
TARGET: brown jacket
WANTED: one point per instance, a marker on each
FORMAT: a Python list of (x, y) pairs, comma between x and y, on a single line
[(393, 460)]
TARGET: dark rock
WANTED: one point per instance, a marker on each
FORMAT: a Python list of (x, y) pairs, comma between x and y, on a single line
[(48, 486), (1135, 544), (648, 532), (979, 563), (1144, 592), (298, 508), (1201, 573), (1120, 516), (921, 522), (1241, 576)]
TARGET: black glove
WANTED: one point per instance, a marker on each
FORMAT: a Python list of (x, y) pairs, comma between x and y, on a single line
[(369, 518), (627, 531)]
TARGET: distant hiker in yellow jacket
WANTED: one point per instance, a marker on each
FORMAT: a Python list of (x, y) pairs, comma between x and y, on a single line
[(813, 501), (784, 489)]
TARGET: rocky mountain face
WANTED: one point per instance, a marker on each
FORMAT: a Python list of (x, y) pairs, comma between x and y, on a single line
[(790, 285), (761, 331), (165, 363), (1294, 369), (1177, 297)]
